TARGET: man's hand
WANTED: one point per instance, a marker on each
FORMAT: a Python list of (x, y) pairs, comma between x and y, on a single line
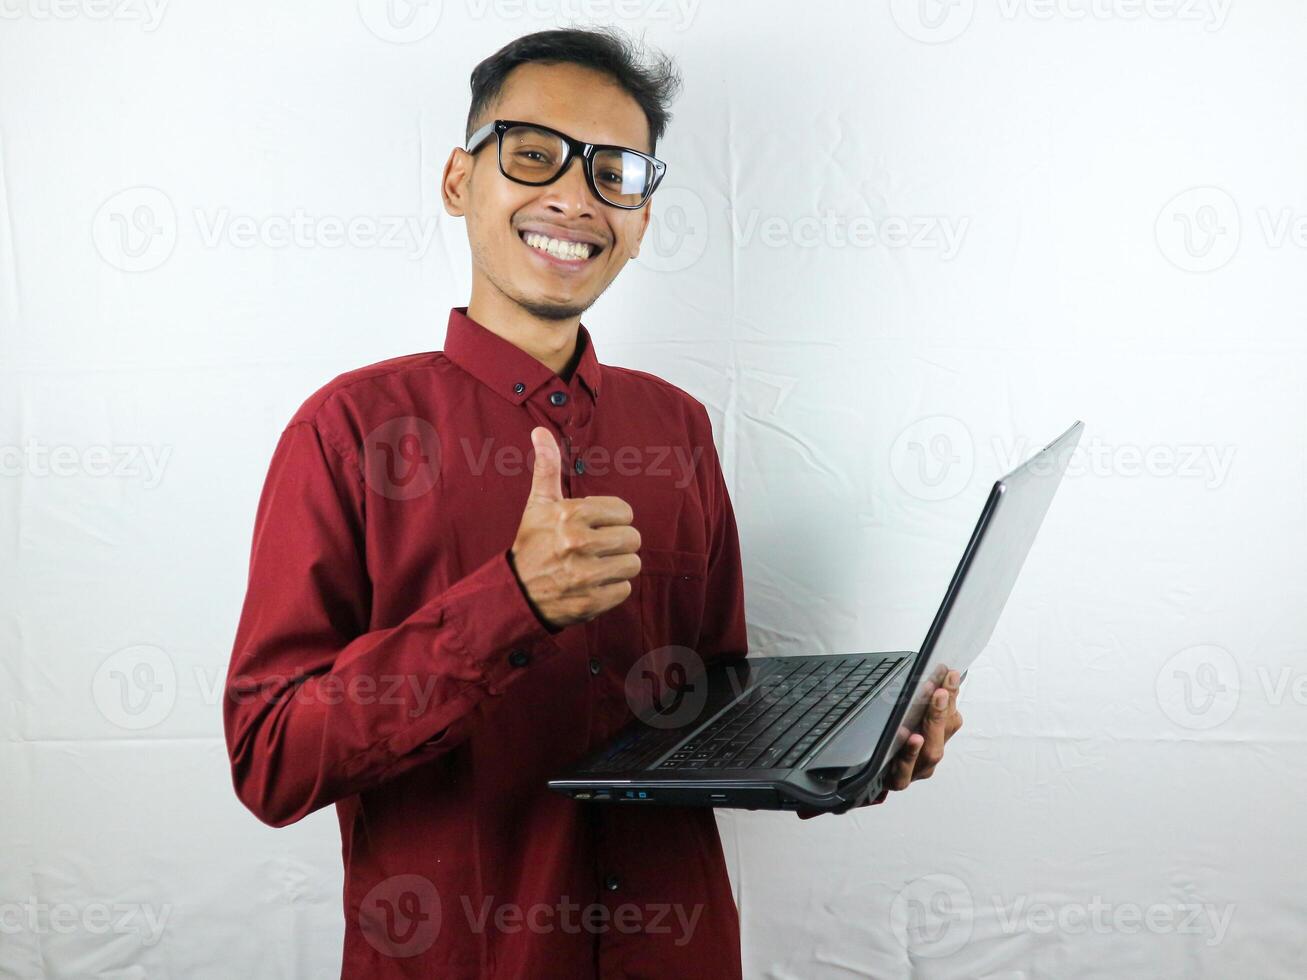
[(922, 752), (575, 557)]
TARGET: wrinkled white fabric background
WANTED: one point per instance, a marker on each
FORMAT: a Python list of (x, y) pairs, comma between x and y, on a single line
[(900, 246)]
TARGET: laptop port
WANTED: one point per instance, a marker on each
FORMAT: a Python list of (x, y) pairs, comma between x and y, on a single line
[(603, 794), (581, 794)]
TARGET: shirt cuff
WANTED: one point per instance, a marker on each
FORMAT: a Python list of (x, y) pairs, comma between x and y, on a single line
[(496, 627)]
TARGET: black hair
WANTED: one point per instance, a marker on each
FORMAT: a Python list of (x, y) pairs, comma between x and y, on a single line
[(653, 84)]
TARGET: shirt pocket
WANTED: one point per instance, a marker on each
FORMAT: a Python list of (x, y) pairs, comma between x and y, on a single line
[(671, 597)]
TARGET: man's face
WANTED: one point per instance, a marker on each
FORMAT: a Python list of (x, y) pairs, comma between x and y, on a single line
[(588, 106)]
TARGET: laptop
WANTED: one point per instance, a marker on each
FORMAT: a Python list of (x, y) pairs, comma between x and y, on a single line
[(776, 733)]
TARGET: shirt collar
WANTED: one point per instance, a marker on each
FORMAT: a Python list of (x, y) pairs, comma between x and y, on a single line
[(504, 367)]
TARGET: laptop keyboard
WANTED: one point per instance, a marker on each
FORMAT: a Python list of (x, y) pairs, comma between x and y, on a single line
[(772, 727)]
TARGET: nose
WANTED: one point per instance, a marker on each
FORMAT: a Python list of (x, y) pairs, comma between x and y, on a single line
[(570, 194)]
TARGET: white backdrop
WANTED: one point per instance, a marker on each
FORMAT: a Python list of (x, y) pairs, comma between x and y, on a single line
[(900, 245)]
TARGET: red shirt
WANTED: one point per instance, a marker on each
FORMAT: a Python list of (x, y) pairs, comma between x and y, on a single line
[(387, 661)]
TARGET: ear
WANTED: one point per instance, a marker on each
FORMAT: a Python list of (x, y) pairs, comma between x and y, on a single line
[(456, 180), (644, 224)]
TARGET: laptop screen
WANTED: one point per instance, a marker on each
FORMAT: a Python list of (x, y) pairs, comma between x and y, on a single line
[(984, 578)]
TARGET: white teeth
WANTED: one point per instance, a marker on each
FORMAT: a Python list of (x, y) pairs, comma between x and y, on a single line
[(557, 247)]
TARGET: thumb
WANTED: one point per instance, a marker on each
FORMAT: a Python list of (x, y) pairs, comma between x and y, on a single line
[(547, 477)]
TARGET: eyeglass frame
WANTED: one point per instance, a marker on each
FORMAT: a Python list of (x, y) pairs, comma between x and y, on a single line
[(575, 148)]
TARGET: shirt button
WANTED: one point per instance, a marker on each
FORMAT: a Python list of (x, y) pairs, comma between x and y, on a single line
[(580, 465), (611, 883), (519, 388), (519, 658), (558, 398), (595, 665)]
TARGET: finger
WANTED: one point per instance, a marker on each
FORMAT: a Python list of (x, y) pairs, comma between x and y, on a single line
[(954, 724), (605, 597), (935, 727), (547, 474), (954, 716), (613, 539), (906, 764), (901, 770), (614, 568), (603, 511)]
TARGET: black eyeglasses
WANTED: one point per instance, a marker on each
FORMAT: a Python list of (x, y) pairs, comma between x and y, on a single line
[(533, 154)]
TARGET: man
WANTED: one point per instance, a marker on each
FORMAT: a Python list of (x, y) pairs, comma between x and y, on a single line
[(460, 558)]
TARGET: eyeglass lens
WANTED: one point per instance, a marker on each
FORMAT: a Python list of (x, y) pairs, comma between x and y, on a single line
[(535, 156)]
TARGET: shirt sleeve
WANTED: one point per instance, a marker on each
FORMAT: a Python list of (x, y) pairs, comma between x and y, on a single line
[(317, 706), (722, 632)]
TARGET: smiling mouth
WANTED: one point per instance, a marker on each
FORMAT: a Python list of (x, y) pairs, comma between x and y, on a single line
[(570, 253)]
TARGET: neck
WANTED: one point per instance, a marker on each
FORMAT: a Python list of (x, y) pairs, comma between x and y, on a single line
[(551, 342)]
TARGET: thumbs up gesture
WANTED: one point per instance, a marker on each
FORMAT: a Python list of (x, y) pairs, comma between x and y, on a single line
[(575, 556)]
